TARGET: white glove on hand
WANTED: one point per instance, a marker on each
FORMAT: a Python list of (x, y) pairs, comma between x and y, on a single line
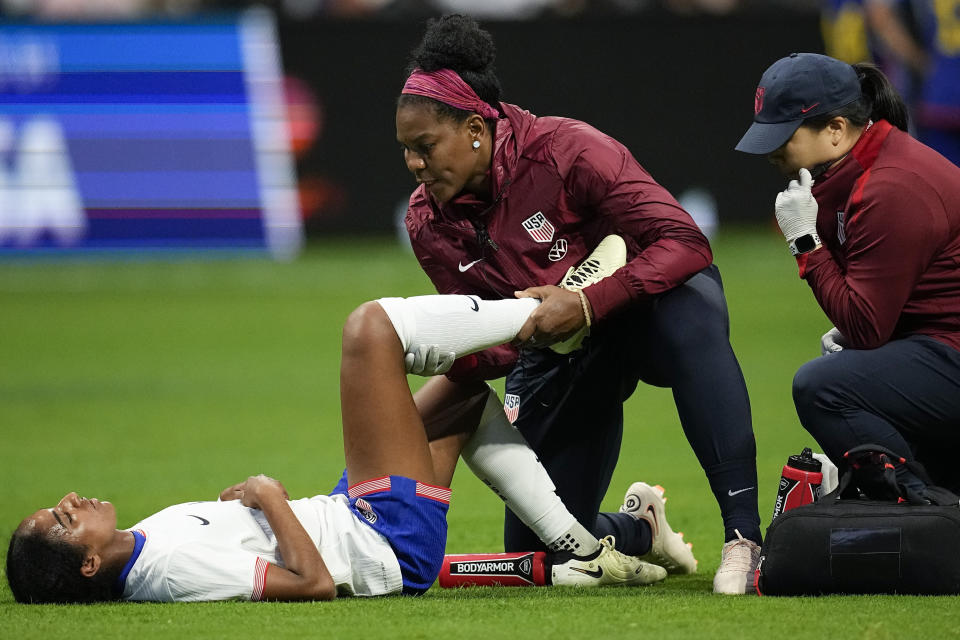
[(796, 208), (832, 342), (426, 360)]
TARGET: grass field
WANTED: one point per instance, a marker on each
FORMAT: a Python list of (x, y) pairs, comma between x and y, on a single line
[(153, 383)]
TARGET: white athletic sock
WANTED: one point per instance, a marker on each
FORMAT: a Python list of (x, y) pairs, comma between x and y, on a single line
[(502, 459), (458, 324)]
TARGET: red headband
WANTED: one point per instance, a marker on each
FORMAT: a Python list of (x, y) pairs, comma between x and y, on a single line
[(446, 86)]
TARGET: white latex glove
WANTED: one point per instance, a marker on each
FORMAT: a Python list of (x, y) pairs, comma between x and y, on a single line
[(796, 209), (426, 360), (832, 342)]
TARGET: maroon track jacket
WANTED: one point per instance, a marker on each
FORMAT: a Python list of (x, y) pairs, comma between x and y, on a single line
[(560, 186), (889, 217)]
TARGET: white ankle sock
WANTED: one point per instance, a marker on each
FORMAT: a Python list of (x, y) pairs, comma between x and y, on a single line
[(502, 459), (458, 324)]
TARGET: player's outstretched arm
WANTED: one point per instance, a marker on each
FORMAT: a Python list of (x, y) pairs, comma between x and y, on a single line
[(306, 576)]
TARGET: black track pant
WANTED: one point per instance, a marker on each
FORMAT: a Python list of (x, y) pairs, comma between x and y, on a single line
[(571, 406), (904, 396)]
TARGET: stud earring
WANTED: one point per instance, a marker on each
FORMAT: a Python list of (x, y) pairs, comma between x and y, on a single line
[(476, 145)]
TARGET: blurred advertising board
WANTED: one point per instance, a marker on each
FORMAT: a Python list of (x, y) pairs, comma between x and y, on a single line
[(145, 139)]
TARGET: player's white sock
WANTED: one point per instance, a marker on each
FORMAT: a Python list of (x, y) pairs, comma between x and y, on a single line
[(458, 324), (502, 459), (496, 453)]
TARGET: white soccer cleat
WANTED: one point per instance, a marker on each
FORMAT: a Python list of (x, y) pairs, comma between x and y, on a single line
[(738, 564), (610, 255), (667, 549), (606, 566)]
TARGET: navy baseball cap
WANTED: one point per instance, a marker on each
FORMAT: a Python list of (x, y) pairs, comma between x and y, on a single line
[(793, 89)]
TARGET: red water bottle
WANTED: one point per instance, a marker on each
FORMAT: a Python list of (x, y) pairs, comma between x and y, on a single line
[(800, 482), (494, 569)]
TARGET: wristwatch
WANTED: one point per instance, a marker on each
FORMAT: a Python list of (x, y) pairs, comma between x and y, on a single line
[(805, 244)]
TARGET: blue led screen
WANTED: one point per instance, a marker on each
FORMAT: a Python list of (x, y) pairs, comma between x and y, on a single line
[(144, 138)]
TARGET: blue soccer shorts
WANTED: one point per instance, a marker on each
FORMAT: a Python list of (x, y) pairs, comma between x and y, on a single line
[(412, 516)]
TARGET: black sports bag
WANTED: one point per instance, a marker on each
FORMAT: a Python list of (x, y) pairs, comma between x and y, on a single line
[(871, 535)]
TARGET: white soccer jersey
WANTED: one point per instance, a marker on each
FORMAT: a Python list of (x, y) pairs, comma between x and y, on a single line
[(220, 550)]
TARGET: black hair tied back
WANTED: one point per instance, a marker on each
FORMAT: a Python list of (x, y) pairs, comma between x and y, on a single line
[(457, 42), (880, 98)]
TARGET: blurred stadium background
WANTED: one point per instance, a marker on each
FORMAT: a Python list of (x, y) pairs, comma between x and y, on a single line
[(169, 125), (141, 139)]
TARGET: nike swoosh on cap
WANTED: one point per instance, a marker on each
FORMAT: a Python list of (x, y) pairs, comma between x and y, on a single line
[(464, 267)]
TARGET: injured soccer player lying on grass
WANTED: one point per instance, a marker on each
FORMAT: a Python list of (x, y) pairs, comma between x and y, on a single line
[(383, 528)]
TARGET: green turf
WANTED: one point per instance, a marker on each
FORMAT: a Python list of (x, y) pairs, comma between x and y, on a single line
[(152, 383)]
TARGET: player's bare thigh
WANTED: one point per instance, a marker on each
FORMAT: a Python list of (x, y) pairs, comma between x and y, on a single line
[(382, 430)]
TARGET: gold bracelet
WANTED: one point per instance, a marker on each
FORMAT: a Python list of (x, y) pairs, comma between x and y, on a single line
[(585, 305)]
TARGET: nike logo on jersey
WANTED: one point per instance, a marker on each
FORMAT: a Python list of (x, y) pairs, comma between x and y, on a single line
[(464, 267), (203, 521), (473, 301), (598, 573), (731, 492)]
